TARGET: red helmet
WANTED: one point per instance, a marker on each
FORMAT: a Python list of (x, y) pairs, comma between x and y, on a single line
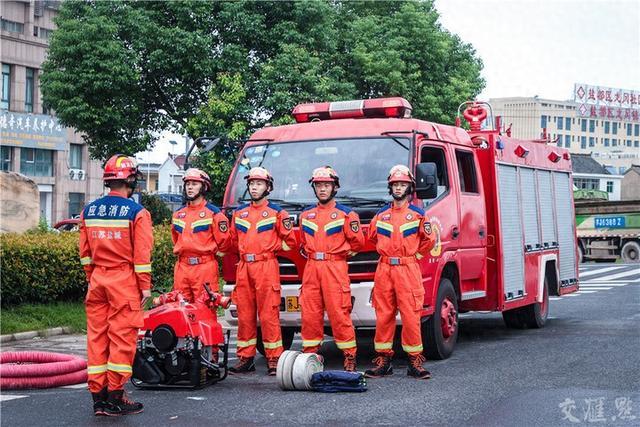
[(260, 173), (193, 174), (120, 167), (325, 174), (400, 173)]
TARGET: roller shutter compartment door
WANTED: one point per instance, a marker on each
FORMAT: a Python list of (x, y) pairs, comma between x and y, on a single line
[(511, 236), (566, 233)]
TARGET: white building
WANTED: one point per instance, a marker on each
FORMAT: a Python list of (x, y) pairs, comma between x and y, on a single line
[(170, 175), (588, 174)]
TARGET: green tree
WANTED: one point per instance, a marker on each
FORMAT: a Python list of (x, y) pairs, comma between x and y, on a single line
[(160, 213), (121, 72)]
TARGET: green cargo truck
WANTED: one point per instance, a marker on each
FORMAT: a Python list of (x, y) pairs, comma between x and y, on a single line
[(608, 230)]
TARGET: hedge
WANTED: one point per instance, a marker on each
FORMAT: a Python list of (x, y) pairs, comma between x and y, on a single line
[(44, 267)]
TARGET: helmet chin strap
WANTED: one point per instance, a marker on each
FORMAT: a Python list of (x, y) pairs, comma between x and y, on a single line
[(403, 196), (264, 194)]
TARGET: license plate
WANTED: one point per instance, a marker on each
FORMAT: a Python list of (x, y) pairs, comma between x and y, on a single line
[(292, 304), (610, 222)]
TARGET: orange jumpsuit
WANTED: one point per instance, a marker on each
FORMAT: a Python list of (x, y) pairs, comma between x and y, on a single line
[(259, 231), (199, 232), (116, 239), (402, 236), (330, 233)]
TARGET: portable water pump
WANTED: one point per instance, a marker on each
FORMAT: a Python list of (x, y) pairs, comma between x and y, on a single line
[(181, 343)]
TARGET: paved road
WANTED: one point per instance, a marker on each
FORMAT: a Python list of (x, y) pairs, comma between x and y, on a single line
[(581, 369)]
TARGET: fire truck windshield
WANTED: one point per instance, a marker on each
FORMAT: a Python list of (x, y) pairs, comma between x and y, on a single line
[(362, 164)]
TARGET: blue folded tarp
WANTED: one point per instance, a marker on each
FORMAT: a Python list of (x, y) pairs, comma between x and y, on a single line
[(338, 381)]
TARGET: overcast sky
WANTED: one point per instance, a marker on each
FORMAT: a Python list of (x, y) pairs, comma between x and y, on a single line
[(539, 47)]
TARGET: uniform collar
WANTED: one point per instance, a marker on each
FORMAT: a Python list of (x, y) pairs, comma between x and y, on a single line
[(402, 207), (118, 194), (261, 204), (198, 206), (330, 205)]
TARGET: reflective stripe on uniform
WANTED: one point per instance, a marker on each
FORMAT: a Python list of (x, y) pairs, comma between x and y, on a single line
[(117, 367), (207, 221), (412, 348), (272, 345), (383, 345), (346, 344), (96, 369), (178, 222), (109, 223), (409, 225), (311, 343), (334, 224), (86, 260), (247, 343), (242, 224), (142, 268), (285, 247)]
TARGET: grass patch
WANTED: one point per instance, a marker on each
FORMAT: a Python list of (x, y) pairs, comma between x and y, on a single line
[(36, 317)]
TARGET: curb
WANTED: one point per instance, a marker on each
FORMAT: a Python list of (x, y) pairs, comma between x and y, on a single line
[(20, 336)]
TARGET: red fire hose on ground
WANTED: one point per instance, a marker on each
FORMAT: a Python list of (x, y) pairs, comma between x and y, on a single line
[(39, 369)]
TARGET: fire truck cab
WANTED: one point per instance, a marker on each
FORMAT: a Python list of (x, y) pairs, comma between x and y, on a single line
[(501, 209)]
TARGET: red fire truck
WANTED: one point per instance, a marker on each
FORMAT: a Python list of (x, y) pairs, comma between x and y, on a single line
[(501, 208)]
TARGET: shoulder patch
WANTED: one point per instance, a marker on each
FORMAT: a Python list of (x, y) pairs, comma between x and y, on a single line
[(416, 209), (275, 207), (213, 208), (343, 208), (242, 206)]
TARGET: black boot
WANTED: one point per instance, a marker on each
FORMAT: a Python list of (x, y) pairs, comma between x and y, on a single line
[(244, 365), (382, 367), (100, 402), (272, 366), (120, 404), (415, 368)]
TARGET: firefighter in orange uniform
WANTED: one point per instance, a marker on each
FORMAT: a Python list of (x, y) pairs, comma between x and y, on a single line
[(259, 229), (200, 231), (402, 235), (330, 233), (115, 250)]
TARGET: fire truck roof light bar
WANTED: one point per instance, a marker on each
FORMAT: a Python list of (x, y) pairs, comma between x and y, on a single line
[(362, 108)]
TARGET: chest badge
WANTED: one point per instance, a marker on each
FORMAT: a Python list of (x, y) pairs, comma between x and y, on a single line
[(244, 214), (386, 217), (409, 216), (202, 214), (265, 214), (182, 215), (312, 215), (334, 215)]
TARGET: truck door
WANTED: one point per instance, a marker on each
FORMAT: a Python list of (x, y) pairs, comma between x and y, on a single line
[(473, 225), (443, 209)]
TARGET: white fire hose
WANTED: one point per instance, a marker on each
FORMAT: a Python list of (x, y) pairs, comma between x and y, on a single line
[(295, 369)]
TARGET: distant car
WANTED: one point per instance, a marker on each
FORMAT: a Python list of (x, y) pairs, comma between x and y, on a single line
[(71, 224)]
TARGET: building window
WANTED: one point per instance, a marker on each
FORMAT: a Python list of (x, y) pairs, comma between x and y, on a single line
[(6, 154), (543, 121), (43, 33), (583, 142), (592, 125), (28, 94), (12, 26), (636, 143), (76, 203), (567, 141), (606, 127), (636, 130), (559, 123), (567, 123), (75, 156), (628, 125), (614, 142), (622, 170), (586, 183), (6, 86), (628, 142), (36, 162), (592, 143), (606, 142), (614, 128), (609, 186), (559, 140), (583, 125)]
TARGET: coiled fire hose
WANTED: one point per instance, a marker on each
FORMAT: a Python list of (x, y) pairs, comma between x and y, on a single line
[(295, 369), (39, 369)]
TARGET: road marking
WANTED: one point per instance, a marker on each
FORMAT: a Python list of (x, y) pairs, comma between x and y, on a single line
[(7, 397), (586, 292), (632, 272), (600, 271), (76, 386), (595, 288), (555, 298), (614, 284), (571, 295)]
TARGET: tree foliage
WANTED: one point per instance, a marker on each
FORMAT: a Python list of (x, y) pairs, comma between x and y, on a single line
[(121, 72)]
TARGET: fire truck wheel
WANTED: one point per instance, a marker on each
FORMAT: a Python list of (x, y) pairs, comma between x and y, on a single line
[(631, 252), (440, 331), (287, 339), (532, 316), (580, 254)]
